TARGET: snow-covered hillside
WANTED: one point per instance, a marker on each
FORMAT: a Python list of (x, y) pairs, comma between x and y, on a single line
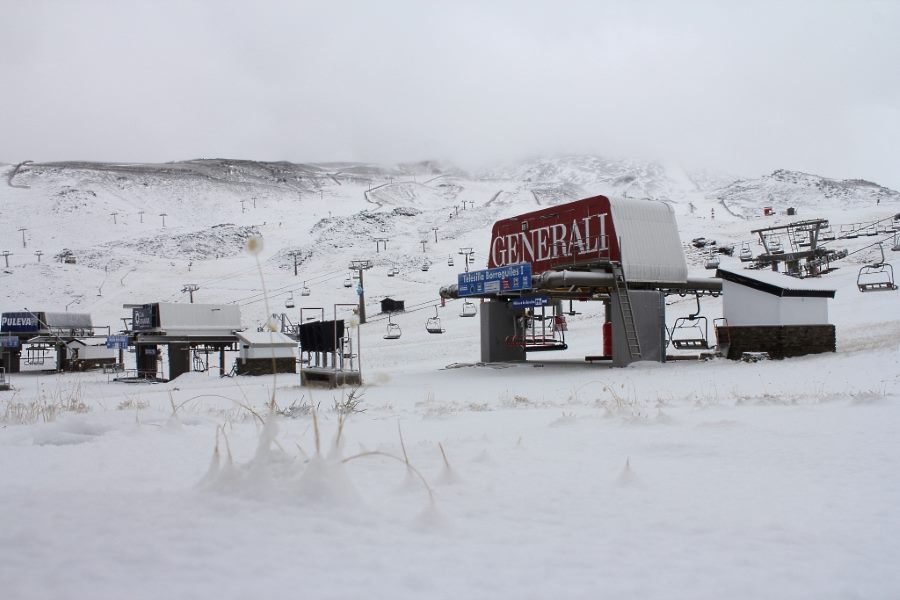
[(450, 479), (805, 192), (131, 226)]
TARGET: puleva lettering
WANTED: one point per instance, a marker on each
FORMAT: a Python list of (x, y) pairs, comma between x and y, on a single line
[(18, 321)]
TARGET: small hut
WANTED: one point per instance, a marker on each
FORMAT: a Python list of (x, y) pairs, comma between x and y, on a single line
[(389, 305), (774, 313), (265, 352), (89, 353)]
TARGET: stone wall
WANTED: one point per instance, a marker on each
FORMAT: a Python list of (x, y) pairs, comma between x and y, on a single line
[(263, 366), (779, 341)]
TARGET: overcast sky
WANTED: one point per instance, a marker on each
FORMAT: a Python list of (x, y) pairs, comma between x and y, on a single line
[(744, 86)]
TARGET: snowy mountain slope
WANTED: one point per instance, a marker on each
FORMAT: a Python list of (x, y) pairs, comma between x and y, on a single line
[(552, 478), (807, 193), (325, 215), (580, 176)]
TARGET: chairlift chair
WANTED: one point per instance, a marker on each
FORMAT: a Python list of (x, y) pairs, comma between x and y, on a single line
[(775, 246), (348, 282), (896, 245), (393, 330), (712, 262), (827, 234), (304, 291), (395, 270), (468, 309), (690, 332), (449, 261), (746, 254), (289, 303), (426, 265), (532, 338), (876, 277), (433, 324), (390, 272)]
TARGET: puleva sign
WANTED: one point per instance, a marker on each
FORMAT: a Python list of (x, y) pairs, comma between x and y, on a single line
[(576, 232), (18, 322)]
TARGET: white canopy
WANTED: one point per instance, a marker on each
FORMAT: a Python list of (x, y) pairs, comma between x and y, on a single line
[(649, 241)]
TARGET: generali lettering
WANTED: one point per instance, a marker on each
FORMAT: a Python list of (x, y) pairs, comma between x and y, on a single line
[(581, 238)]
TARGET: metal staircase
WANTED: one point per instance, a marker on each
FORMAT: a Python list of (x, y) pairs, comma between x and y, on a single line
[(634, 345)]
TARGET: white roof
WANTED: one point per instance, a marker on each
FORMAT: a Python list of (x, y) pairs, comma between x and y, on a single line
[(649, 241), (265, 338), (780, 280), (66, 320), (199, 319)]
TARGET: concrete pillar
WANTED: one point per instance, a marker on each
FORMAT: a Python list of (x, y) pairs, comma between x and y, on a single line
[(62, 357), (179, 360), (145, 357), (498, 322), (12, 358), (649, 310)]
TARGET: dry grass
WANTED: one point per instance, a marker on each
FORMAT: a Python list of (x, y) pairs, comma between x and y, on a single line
[(46, 409)]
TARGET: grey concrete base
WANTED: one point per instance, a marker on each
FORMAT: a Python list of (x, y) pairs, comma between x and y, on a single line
[(649, 310), (498, 322), (330, 378)]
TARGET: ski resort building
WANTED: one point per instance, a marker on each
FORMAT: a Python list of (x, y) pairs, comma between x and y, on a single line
[(182, 329), (783, 316), (38, 333), (89, 353), (265, 352), (624, 253)]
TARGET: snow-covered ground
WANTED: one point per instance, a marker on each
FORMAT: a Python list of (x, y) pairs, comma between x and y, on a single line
[(717, 479)]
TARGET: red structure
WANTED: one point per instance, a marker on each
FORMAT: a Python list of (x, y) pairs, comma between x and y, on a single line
[(580, 231)]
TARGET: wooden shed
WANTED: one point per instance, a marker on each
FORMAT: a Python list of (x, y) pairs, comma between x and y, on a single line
[(389, 305)]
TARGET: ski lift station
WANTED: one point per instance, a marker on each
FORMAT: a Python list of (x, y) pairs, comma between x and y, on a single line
[(187, 334), (181, 329), (626, 254), (40, 334)]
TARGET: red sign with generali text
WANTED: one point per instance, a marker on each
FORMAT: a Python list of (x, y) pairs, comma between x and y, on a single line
[(577, 232)]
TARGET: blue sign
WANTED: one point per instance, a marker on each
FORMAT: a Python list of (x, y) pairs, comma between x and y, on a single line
[(511, 278), (20, 322), (117, 341), (9, 342), (531, 302)]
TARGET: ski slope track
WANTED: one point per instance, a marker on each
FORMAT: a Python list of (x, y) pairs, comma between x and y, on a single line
[(449, 478)]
